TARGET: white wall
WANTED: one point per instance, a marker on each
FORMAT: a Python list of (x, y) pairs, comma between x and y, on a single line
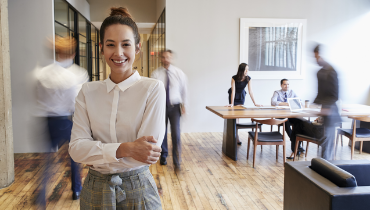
[(82, 6), (205, 38), (30, 23)]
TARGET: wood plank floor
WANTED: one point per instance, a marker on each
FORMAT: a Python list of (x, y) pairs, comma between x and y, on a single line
[(208, 180)]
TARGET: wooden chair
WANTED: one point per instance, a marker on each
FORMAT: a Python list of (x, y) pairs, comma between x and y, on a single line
[(303, 138), (336, 125), (277, 126), (355, 134), (249, 125), (267, 138)]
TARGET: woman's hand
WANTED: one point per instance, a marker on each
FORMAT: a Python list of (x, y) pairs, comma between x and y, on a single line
[(141, 150), (258, 105), (230, 105)]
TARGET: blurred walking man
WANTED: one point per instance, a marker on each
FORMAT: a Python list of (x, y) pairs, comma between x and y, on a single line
[(57, 86), (323, 128), (175, 83), (327, 96)]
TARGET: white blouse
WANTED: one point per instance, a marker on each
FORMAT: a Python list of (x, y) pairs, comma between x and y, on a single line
[(108, 114)]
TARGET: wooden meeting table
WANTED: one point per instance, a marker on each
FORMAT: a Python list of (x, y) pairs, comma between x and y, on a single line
[(230, 114)]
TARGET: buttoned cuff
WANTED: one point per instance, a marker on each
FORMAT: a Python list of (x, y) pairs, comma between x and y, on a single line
[(109, 152)]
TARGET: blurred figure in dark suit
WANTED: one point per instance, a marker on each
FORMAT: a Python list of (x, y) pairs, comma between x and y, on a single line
[(327, 95)]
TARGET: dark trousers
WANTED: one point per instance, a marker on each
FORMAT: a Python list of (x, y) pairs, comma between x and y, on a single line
[(173, 115), (60, 129), (324, 133), (288, 129)]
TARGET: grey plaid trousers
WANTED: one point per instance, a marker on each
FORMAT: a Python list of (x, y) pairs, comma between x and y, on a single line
[(106, 191)]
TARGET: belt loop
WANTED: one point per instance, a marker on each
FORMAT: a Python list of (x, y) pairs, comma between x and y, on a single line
[(142, 179)]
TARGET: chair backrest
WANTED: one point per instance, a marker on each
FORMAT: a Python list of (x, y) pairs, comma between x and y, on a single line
[(361, 118), (270, 121)]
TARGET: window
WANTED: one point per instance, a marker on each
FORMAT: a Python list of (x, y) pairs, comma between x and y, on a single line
[(157, 43), (69, 22)]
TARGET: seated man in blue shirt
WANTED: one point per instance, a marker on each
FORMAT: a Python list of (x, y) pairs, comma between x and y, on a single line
[(280, 98)]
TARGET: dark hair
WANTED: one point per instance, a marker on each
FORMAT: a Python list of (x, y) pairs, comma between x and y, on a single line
[(317, 49), (240, 75), (281, 82), (119, 15), (167, 50)]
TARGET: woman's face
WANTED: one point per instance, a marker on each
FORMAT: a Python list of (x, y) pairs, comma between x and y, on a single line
[(246, 71), (119, 48)]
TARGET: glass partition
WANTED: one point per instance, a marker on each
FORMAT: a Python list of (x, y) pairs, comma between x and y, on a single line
[(61, 12), (69, 22), (157, 43)]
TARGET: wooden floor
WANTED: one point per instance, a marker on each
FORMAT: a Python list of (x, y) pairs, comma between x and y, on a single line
[(208, 180)]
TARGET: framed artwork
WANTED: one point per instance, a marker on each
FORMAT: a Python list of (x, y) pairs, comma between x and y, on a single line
[(273, 48)]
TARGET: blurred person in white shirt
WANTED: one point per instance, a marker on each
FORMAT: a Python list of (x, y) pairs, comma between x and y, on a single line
[(175, 83), (57, 86)]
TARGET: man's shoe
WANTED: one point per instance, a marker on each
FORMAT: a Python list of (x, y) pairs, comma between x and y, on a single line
[(301, 149), (76, 195), (177, 169), (163, 161)]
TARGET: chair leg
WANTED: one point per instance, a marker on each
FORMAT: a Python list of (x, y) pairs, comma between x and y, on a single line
[(341, 136), (252, 129), (284, 154), (254, 154), (352, 149), (278, 128), (361, 144), (295, 149), (261, 131), (306, 149), (271, 128), (336, 145), (237, 135), (277, 151), (249, 142)]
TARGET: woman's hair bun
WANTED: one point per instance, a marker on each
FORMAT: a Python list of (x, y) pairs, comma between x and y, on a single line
[(120, 11)]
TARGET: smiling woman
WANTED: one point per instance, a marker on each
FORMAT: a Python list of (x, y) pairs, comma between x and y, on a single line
[(120, 135)]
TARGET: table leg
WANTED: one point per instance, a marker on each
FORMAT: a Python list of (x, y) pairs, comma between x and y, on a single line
[(229, 147)]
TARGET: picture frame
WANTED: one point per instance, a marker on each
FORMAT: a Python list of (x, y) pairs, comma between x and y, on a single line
[(273, 48)]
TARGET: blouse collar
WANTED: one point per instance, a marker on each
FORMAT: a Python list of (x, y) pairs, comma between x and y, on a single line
[(124, 84)]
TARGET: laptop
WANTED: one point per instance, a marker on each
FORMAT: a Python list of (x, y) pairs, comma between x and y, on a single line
[(295, 105)]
